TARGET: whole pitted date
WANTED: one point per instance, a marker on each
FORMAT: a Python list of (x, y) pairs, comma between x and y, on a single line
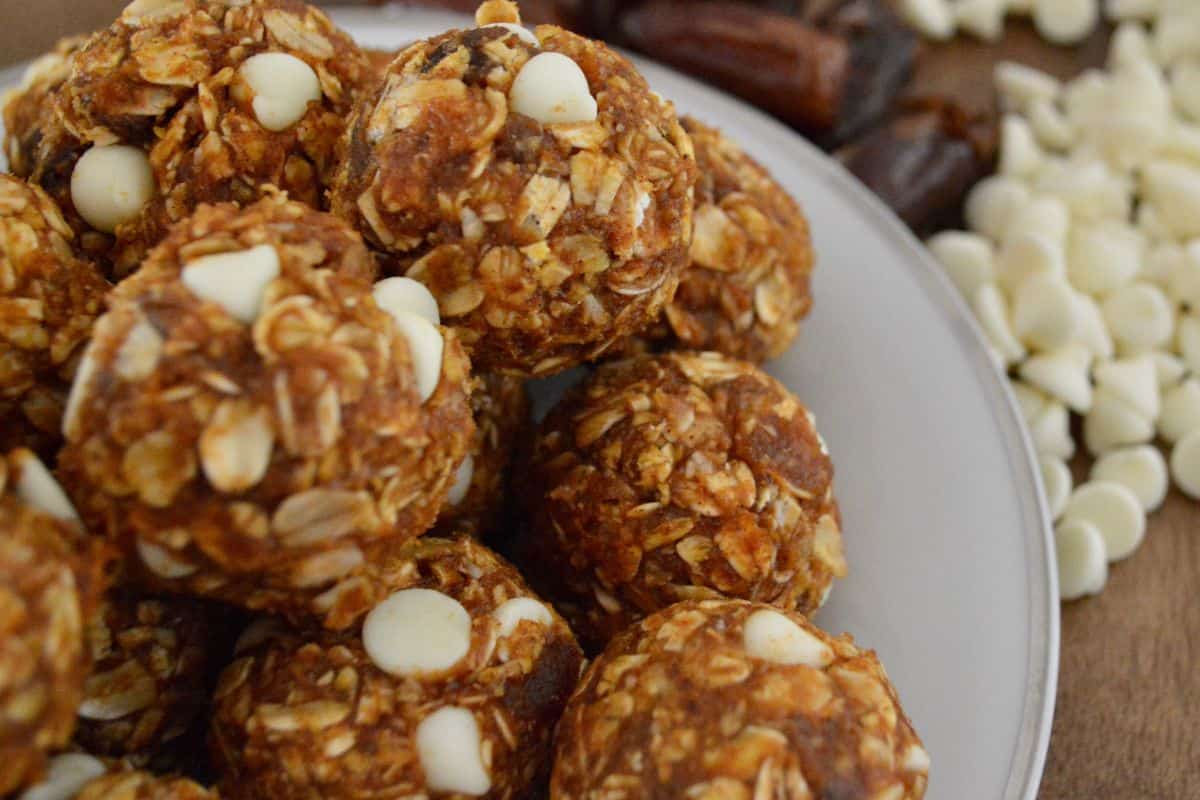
[(830, 79)]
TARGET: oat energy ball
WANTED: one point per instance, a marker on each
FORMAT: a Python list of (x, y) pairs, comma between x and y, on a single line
[(532, 181), (747, 287), (450, 687), (29, 109), (247, 421), (143, 786), (152, 661), (731, 700), (49, 300), (50, 578), (476, 503), (674, 477), (181, 102)]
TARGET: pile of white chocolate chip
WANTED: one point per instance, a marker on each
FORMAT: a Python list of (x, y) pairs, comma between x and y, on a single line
[(1083, 267)]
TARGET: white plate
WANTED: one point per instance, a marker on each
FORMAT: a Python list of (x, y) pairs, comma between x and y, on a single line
[(952, 567)]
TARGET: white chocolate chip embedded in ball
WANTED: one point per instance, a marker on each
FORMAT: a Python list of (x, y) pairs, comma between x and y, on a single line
[(425, 345), (37, 487), (451, 753), (523, 33), (1115, 511), (773, 637), (1185, 464), (282, 86), (417, 631), (462, 481), (1142, 469), (551, 88), (513, 611), (111, 184), (1082, 560), (395, 295), (236, 281), (65, 776), (1056, 478)]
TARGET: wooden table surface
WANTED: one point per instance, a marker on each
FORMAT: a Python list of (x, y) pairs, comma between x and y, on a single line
[(1127, 724)]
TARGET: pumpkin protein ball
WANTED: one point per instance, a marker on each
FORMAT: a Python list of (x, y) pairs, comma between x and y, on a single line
[(247, 421), (51, 575), (450, 687), (674, 477), (747, 287), (49, 300), (531, 180), (190, 101), (728, 700)]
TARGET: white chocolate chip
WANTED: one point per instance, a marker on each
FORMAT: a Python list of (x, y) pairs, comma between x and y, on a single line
[(1056, 479), (1051, 431), (1091, 191), (1139, 316), (933, 19), (1062, 374), (1173, 189), (1065, 21), (1044, 312), (1187, 339), (1185, 465), (451, 752), (967, 258), (1103, 256), (1115, 511), (551, 88), (1142, 469), (111, 184), (1132, 380), (425, 345), (992, 312), (523, 33), (1020, 155), (395, 295), (1082, 560), (991, 203), (1025, 255), (1183, 280), (1185, 88), (237, 281), (1168, 369), (773, 637), (1030, 401), (282, 86), (983, 18), (1180, 411), (161, 562), (1132, 9), (462, 481), (1043, 215), (1112, 423), (65, 776), (513, 611), (1129, 44), (417, 631), (1177, 34), (1092, 332), (1050, 126), (37, 487), (1020, 86)]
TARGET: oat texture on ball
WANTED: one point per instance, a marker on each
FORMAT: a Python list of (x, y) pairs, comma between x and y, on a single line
[(135, 785), (532, 181), (732, 700), (49, 301), (450, 687), (674, 477), (28, 110), (246, 421), (747, 287), (179, 103), (51, 577)]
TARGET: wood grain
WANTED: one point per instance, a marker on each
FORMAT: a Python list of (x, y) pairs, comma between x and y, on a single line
[(1127, 725)]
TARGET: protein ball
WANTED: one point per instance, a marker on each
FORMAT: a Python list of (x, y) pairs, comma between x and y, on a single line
[(541, 191), (673, 477), (153, 664), (247, 421), (450, 687), (49, 301), (728, 700), (29, 108), (747, 287), (476, 503), (143, 786), (50, 580), (181, 103)]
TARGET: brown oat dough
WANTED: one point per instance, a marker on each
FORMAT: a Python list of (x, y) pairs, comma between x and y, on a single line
[(166, 78), (672, 477), (50, 579), (729, 700), (501, 407), (747, 287), (29, 109), (49, 300), (143, 786), (307, 714), (153, 661), (254, 458), (527, 234)]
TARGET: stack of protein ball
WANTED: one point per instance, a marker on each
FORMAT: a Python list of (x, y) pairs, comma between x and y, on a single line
[(267, 313)]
